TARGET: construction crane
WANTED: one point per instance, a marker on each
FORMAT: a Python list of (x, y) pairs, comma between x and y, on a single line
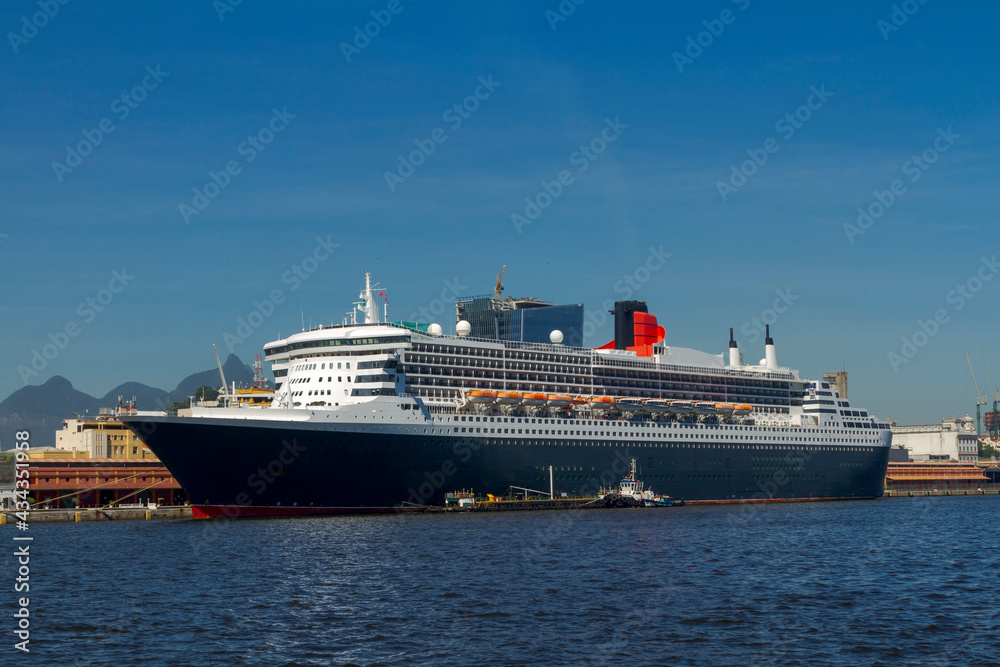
[(499, 287), (994, 432), (980, 400)]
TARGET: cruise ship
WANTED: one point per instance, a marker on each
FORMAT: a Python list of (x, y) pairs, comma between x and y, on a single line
[(378, 416)]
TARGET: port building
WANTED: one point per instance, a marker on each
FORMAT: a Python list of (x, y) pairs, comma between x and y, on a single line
[(101, 437), (954, 439)]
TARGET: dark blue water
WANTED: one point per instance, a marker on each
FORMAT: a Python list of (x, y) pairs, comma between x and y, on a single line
[(888, 582)]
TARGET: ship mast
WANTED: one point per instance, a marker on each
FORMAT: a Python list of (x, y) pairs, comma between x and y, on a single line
[(367, 305)]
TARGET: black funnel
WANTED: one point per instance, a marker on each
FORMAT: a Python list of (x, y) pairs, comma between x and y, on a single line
[(625, 322)]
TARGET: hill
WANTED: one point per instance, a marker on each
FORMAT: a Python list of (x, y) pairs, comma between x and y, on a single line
[(41, 409)]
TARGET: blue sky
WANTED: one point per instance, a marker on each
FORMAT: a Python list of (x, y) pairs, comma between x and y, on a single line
[(328, 128)]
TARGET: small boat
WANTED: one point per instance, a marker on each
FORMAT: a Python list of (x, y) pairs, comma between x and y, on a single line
[(559, 400), (629, 403), (681, 407), (657, 405), (509, 397), (481, 396), (742, 409), (534, 399), (705, 408), (725, 408), (631, 493)]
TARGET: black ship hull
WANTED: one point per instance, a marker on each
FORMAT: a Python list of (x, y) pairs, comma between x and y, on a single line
[(244, 468)]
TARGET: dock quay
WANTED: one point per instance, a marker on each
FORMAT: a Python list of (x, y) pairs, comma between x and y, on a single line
[(98, 514), (519, 504), (923, 493)]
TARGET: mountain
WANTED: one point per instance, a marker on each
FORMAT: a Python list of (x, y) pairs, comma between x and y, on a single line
[(41, 409), (234, 369), (146, 397)]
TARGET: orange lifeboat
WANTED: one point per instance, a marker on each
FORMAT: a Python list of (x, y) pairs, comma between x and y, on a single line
[(534, 399), (559, 400), (509, 397), (742, 409), (601, 403), (481, 396)]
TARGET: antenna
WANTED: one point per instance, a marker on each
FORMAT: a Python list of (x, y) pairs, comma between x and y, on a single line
[(303, 313), (258, 373)]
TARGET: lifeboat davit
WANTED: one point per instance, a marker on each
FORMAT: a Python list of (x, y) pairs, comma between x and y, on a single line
[(681, 407), (559, 400), (509, 397), (629, 403), (534, 399), (742, 409), (705, 408), (481, 396), (657, 405), (725, 408)]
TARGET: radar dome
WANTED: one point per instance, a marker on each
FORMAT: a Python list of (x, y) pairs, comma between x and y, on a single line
[(556, 336), (463, 328), (434, 329)]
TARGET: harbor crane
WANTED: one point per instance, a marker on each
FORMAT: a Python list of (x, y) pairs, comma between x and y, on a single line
[(980, 400), (499, 287), (995, 428)]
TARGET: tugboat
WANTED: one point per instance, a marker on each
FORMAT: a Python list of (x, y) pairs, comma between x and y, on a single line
[(631, 493)]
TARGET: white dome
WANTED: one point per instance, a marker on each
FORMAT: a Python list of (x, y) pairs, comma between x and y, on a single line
[(434, 329), (463, 328), (556, 336)]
